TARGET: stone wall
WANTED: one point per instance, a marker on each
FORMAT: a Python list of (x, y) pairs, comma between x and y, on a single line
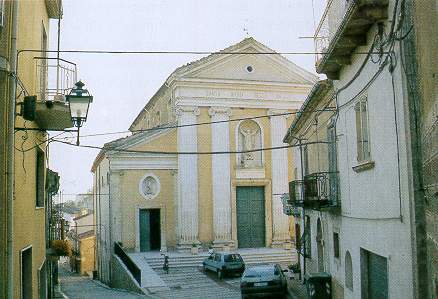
[(121, 278), (426, 20)]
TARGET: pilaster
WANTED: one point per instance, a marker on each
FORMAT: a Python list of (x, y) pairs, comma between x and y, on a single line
[(187, 177), (221, 179), (281, 236)]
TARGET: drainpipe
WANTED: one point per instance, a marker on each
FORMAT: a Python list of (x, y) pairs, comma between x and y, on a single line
[(10, 150), (304, 212)]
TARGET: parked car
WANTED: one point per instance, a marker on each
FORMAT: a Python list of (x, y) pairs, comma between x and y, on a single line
[(224, 263), (264, 280)]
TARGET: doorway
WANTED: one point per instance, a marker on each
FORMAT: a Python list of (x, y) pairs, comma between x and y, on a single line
[(26, 273), (149, 229), (250, 206)]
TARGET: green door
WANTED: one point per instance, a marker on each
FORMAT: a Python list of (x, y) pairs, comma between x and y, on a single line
[(150, 233), (377, 277), (145, 232), (250, 203)]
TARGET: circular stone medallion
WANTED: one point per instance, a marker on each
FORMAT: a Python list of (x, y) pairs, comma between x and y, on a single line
[(149, 186)]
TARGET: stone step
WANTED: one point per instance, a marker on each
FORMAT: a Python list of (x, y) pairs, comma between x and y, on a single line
[(201, 258), (290, 259)]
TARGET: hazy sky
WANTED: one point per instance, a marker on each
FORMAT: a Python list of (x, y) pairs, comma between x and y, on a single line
[(122, 84)]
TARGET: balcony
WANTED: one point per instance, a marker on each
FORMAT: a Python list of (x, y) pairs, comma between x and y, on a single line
[(343, 27), (54, 79), (316, 192)]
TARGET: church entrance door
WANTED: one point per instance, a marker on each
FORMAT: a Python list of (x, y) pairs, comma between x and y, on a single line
[(150, 235), (250, 206)]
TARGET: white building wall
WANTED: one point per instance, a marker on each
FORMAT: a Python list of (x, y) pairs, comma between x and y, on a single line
[(375, 216)]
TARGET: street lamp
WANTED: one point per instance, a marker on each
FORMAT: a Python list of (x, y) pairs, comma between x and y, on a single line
[(79, 100)]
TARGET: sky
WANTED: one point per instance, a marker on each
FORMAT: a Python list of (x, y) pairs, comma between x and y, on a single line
[(122, 84)]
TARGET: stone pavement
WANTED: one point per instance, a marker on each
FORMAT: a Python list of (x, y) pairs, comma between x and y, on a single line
[(186, 282), (189, 282), (74, 286)]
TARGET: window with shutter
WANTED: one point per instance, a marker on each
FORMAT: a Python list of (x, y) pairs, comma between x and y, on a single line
[(362, 130)]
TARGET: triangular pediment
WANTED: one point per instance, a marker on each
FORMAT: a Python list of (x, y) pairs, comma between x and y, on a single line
[(248, 61)]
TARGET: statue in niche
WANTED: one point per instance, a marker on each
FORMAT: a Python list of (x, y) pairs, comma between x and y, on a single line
[(250, 133), (149, 186)]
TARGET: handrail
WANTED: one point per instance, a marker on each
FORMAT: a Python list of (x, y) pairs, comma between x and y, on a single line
[(319, 189), (132, 267)]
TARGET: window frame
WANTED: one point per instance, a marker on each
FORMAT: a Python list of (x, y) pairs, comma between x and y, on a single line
[(362, 123), (336, 247)]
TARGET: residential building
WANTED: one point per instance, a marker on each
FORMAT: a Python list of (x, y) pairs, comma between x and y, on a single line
[(28, 107), (150, 193), (312, 133), (82, 235), (370, 241)]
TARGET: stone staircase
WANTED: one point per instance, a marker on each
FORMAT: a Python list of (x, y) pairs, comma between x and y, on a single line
[(250, 257)]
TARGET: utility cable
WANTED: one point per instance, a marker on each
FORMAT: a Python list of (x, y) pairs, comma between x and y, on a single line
[(182, 153), (170, 126)]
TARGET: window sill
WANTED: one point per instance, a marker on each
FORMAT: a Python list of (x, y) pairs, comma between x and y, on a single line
[(364, 166)]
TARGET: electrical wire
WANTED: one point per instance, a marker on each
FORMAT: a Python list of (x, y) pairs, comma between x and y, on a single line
[(178, 52), (170, 126), (181, 153)]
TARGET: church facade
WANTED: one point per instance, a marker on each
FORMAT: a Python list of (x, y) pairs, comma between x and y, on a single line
[(192, 173)]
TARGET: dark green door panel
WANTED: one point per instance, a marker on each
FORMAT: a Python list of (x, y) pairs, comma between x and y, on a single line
[(377, 277), (145, 233), (250, 205)]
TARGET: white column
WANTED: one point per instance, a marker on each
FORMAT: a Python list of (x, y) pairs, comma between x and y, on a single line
[(280, 166), (187, 177), (221, 180)]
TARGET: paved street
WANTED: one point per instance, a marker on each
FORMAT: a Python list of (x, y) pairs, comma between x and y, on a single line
[(182, 283), (74, 286)]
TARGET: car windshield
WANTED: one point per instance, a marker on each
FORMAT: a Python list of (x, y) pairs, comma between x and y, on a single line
[(260, 271), (232, 258)]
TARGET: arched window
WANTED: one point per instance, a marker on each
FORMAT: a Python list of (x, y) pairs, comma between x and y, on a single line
[(348, 271), (249, 135)]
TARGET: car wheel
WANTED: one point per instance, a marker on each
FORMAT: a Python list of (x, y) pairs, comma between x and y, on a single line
[(219, 274)]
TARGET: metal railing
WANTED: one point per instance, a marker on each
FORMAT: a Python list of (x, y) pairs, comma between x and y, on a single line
[(54, 78), (316, 191), (332, 17), (132, 267)]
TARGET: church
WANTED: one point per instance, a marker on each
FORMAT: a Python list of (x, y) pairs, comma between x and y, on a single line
[(197, 170)]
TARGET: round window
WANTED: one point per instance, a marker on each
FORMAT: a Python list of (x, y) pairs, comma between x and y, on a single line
[(249, 69)]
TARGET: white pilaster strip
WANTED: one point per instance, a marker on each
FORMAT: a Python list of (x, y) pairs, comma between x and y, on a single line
[(221, 180), (187, 176), (279, 176)]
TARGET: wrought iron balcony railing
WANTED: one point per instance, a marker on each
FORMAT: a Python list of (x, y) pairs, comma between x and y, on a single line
[(331, 19), (316, 191), (342, 28), (55, 77)]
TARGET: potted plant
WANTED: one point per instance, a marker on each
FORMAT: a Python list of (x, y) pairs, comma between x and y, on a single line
[(194, 249), (60, 248)]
